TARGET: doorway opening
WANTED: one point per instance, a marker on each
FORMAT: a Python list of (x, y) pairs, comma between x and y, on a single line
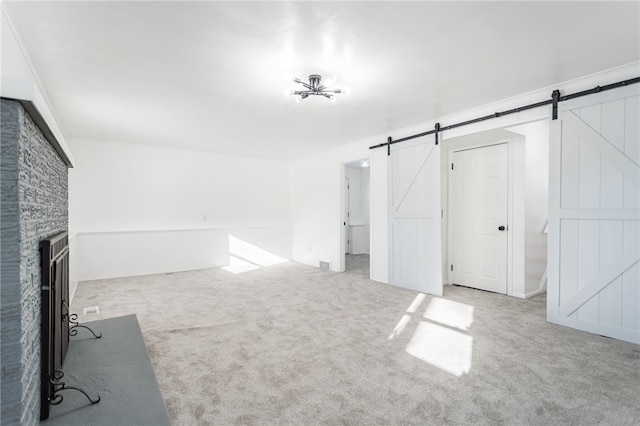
[(356, 216), (488, 252)]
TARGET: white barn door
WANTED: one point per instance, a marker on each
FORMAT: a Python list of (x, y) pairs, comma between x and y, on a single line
[(415, 242), (594, 217)]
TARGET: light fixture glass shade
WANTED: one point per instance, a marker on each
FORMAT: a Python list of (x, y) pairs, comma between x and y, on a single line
[(364, 163)]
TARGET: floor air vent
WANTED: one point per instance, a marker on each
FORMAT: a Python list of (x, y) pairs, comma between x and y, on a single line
[(324, 265), (91, 310)]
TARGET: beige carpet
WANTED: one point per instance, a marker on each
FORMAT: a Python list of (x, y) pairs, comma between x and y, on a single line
[(295, 345)]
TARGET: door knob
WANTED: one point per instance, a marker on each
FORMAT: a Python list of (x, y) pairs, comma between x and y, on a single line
[(501, 228)]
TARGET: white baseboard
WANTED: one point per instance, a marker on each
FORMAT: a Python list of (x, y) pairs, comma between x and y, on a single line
[(535, 292), (530, 294)]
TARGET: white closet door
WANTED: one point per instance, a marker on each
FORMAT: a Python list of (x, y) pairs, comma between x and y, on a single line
[(594, 233), (479, 227), (415, 249)]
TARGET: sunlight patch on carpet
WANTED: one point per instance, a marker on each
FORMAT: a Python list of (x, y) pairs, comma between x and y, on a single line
[(416, 303), (251, 253), (448, 312), (244, 257), (413, 307), (442, 347), (400, 326), (238, 266)]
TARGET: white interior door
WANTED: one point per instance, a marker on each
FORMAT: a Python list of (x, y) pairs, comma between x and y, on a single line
[(415, 249), (479, 210), (594, 208)]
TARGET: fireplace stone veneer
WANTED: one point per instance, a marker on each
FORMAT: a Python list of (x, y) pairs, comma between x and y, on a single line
[(34, 191)]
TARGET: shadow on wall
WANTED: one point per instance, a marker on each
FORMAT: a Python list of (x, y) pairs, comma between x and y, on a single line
[(244, 257), (439, 338)]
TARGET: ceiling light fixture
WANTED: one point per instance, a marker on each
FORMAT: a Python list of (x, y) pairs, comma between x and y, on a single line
[(313, 88), (364, 163)]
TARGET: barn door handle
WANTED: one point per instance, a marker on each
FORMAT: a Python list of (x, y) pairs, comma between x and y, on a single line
[(501, 228)]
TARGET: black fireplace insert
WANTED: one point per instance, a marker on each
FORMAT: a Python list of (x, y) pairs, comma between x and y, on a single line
[(56, 321), (55, 313)]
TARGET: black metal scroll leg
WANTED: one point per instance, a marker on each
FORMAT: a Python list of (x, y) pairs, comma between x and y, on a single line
[(75, 324), (58, 386)]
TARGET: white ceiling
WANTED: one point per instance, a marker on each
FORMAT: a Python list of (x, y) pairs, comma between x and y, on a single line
[(211, 75)]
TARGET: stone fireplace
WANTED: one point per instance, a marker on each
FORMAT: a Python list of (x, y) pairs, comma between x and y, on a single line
[(34, 190)]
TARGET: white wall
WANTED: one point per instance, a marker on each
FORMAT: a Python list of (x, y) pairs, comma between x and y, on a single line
[(139, 209), (536, 203), (14, 62), (19, 80), (317, 210), (379, 215), (317, 205), (116, 254)]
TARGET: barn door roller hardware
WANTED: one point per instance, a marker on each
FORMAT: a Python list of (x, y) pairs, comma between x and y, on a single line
[(555, 99)]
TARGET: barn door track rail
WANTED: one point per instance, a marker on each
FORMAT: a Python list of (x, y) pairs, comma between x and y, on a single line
[(556, 97)]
